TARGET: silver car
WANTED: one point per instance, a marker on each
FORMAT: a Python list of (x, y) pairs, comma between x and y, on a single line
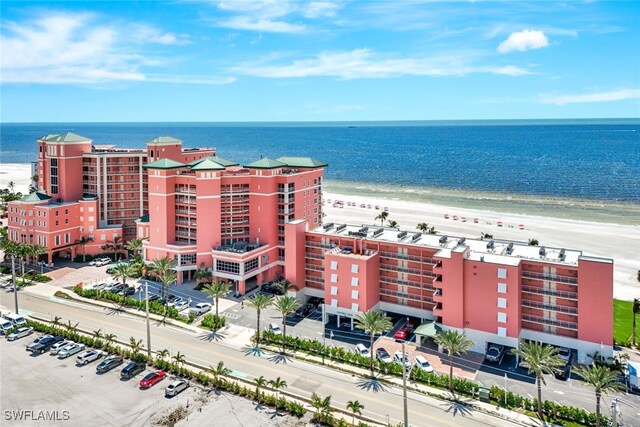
[(88, 357), (70, 350), (176, 387), (20, 333), (57, 347), (201, 308)]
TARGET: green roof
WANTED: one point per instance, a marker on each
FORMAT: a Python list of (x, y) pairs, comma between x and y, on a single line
[(164, 140), (430, 329), (144, 218), (302, 162), (164, 164), (65, 137), (207, 165), (265, 163), (35, 197), (219, 160)]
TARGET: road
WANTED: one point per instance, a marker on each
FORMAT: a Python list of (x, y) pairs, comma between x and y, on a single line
[(302, 378)]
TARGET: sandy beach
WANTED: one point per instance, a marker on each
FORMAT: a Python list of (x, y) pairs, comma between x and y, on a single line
[(598, 238)]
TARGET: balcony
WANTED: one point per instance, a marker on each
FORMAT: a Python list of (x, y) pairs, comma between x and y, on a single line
[(318, 245), (314, 268), (403, 295), (437, 296), (395, 255), (550, 277), (410, 283), (437, 310), (187, 223), (551, 292), (542, 306), (186, 211), (545, 321), (390, 267), (185, 233), (186, 200)]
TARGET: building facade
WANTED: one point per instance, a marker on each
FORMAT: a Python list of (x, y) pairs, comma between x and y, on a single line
[(495, 291)]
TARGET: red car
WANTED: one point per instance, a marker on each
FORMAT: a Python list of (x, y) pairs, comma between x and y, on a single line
[(151, 379), (401, 335)]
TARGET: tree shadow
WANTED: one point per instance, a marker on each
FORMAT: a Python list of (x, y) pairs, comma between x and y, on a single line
[(280, 358), (212, 336), (372, 384), (458, 406), (253, 350)]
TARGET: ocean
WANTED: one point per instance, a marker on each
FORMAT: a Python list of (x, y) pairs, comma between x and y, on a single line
[(588, 162)]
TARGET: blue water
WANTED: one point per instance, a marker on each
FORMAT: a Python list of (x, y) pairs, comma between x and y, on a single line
[(588, 159)]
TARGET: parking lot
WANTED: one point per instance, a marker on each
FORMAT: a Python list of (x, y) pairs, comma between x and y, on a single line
[(33, 387)]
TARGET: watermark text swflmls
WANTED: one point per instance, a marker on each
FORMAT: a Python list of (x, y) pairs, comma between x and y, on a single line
[(34, 415)]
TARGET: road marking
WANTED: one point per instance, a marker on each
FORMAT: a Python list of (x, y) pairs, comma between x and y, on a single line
[(230, 315), (239, 374), (558, 392), (25, 312)]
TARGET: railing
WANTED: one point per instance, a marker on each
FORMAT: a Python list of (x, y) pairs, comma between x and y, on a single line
[(315, 279), (543, 291), (188, 223), (235, 212), (186, 211), (551, 322), (550, 277), (542, 306), (314, 256), (186, 201), (395, 255), (403, 295), (409, 283), (318, 245), (404, 270), (185, 234)]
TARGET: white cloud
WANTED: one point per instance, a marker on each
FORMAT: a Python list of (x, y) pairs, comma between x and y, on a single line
[(364, 63), (64, 48), (262, 25), (524, 40), (317, 9), (615, 95)]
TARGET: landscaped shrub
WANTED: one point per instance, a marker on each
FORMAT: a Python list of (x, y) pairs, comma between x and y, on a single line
[(213, 322)]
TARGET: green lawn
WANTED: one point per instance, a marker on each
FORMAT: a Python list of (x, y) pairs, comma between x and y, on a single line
[(623, 322)]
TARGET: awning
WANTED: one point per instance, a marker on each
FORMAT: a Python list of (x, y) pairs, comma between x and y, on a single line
[(430, 329)]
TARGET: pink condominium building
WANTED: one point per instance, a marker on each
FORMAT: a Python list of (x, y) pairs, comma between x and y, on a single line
[(493, 290)]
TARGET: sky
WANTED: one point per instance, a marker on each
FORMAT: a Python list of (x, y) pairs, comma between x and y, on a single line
[(317, 60)]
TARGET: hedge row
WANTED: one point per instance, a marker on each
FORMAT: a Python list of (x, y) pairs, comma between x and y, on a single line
[(441, 381)]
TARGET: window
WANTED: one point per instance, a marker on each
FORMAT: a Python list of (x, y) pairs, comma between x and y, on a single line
[(334, 303), (57, 240), (250, 265), (354, 307), (354, 294), (66, 238), (354, 281), (502, 317), (502, 332), (103, 237), (229, 267), (334, 265), (502, 273), (334, 290), (334, 278), (502, 303), (502, 288), (354, 268), (187, 259)]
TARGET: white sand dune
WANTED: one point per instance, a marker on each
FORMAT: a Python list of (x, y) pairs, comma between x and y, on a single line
[(619, 242)]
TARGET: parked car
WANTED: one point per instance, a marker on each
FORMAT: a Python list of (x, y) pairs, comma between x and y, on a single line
[(151, 379), (495, 353), (109, 287), (401, 335), (383, 355), (109, 363), (20, 333), (176, 387), (362, 350), (5, 326), (70, 350), (118, 288), (304, 310), (88, 357), (275, 328), (564, 372), (171, 300), (128, 290), (100, 262), (45, 344), (410, 324), (58, 346), (154, 297), (132, 369), (16, 320), (565, 354), (273, 288), (201, 308), (402, 360), (36, 342), (315, 302), (423, 364), (181, 305)]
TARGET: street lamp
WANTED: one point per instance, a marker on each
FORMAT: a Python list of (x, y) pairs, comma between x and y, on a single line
[(146, 304), (404, 388), (324, 335)]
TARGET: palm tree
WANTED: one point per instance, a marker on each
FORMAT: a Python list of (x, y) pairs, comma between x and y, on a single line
[(484, 235), (162, 268), (539, 359), (180, 359), (533, 242), (218, 372), (135, 246), (382, 216), (110, 339), (12, 186), (135, 345), (203, 274), (356, 408), (285, 305), (322, 406), (72, 328), (277, 385), (636, 311), (261, 382), (114, 246), (373, 323), (454, 343), (259, 302), (602, 379), (217, 290), (35, 251), (56, 321), (393, 224), (423, 227), (82, 241), (162, 354), (123, 271)]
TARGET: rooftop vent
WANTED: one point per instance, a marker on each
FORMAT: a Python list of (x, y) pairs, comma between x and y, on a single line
[(562, 255), (378, 232), (357, 234), (509, 248), (491, 244), (364, 230), (461, 241), (416, 237), (402, 235), (542, 251), (327, 226), (443, 240), (340, 228)]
